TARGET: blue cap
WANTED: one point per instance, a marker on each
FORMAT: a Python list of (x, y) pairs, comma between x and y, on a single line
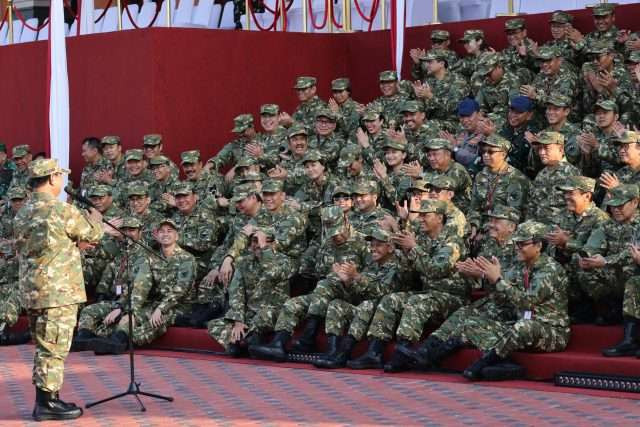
[(521, 104), (467, 107)]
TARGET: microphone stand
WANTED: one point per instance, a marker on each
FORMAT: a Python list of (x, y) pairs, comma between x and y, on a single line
[(134, 387)]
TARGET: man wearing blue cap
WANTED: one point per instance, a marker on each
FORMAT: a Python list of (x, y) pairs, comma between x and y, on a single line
[(519, 121)]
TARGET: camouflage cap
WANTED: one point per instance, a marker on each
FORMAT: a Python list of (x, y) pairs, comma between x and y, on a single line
[(439, 144), (622, 194), (431, 206), (246, 161), (487, 62), (134, 154), (497, 141), (190, 156), (603, 9), (561, 17), (152, 139), (341, 189), (349, 154), (514, 24), (333, 220), (252, 177), (167, 221), (634, 57), (45, 167), (377, 233), (131, 222), (110, 140), (547, 53), (17, 192), (547, 138), (138, 189), (328, 113), (304, 82), (272, 186), (242, 191), (435, 55), (365, 186), (529, 230), (559, 100), (600, 47), (504, 212), (297, 129), (242, 123), (159, 160), (340, 84), (396, 145), (442, 182), (627, 137), (269, 109), (388, 76), (182, 188), (312, 156), (577, 182), (411, 106), (420, 185), (371, 114), (440, 35), (472, 34), (99, 191), (270, 232), (20, 151), (606, 104)]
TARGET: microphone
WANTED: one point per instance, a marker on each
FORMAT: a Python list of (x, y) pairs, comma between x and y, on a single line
[(75, 195)]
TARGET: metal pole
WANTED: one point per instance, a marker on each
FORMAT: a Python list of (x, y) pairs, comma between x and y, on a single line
[(247, 12), (383, 16), (436, 19), (283, 14), (168, 13), (10, 17), (330, 17), (346, 16), (305, 16), (119, 6), (510, 8)]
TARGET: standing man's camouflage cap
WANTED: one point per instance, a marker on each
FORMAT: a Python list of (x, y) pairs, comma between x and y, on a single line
[(379, 234), (169, 222), (272, 186), (559, 100), (349, 154), (530, 230), (495, 140), (577, 182), (134, 154), (365, 186), (16, 192), (622, 194), (20, 151), (547, 138), (99, 191), (312, 156), (242, 123), (388, 76), (435, 55), (328, 113), (606, 104), (242, 191), (442, 182), (138, 189), (182, 189), (514, 24), (547, 53), (440, 35), (487, 62), (110, 140), (473, 34), (504, 212), (269, 109), (131, 222), (159, 160), (603, 9), (190, 156), (431, 206), (627, 137), (152, 139), (340, 84), (304, 82), (411, 106), (396, 145), (333, 220), (297, 129), (561, 17), (45, 167), (439, 144), (634, 57), (246, 161)]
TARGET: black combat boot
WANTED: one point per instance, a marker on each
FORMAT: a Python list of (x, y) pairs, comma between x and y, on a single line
[(431, 352), (333, 343), (49, 407), (116, 343), (474, 371), (504, 371), (82, 340), (307, 342), (629, 344), (15, 338), (372, 359), (340, 357), (275, 350), (399, 360)]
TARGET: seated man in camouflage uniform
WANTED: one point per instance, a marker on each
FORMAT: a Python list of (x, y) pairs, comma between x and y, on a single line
[(232, 151), (10, 304), (345, 107), (341, 244), (21, 155), (365, 200), (371, 136), (498, 86), (305, 114), (392, 99), (598, 154), (136, 171), (160, 290), (257, 290), (442, 188), (160, 189), (325, 138), (557, 112), (291, 168), (628, 144), (394, 182), (140, 207)]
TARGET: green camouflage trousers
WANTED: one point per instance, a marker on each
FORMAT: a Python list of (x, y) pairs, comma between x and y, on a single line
[(52, 330), (421, 309), (600, 283), (260, 322), (91, 318), (9, 308), (143, 331), (341, 314), (631, 301), (387, 315)]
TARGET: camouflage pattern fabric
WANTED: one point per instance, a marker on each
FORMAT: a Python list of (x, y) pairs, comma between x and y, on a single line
[(546, 203), (306, 112)]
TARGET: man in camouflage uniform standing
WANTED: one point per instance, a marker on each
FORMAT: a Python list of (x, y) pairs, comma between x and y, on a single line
[(325, 138), (112, 151), (519, 56), (605, 32), (560, 24), (51, 281)]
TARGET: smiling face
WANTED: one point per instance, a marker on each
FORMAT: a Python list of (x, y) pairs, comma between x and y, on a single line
[(192, 170), (629, 153), (577, 201), (550, 154), (111, 151), (325, 126), (556, 115), (389, 88), (394, 157), (166, 235), (604, 23), (625, 212), (186, 202), (528, 251), (138, 204), (273, 201), (298, 145), (500, 229), (380, 250), (314, 169), (268, 122)]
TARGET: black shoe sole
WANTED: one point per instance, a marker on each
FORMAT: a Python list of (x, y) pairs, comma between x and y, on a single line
[(57, 417)]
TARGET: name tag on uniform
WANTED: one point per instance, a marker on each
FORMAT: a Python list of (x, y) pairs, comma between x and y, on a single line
[(527, 315), (118, 289)]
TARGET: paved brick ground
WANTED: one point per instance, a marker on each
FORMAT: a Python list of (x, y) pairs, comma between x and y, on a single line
[(215, 392)]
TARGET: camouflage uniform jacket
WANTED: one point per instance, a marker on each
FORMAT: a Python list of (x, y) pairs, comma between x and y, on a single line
[(149, 220), (229, 154), (418, 73), (348, 118), (376, 281), (50, 266), (626, 175), (417, 139), (119, 170), (258, 281), (7, 169), (312, 197), (115, 278), (156, 190), (6, 223), (164, 285), (609, 36), (390, 107), (622, 94), (546, 202), (107, 248), (365, 221), (319, 265), (515, 62), (447, 93), (465, 66), (604, 158), (329, 147), (568, 52), (564, 82), (570, 131), (120, 196), (272, 144), (87, 178), (494, 97), (306, 111), (456, 222), (199, 231), (235, 225), (580, 227), (20, 178), (374, 150), (394, 189), (462, 181)]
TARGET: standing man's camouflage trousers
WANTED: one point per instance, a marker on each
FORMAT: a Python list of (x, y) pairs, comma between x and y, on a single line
[(52, 330), (342, 315), (421, 309), (260, 322)]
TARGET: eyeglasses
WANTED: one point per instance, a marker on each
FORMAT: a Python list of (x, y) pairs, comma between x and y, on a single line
[(491, 152), (437, 190)]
